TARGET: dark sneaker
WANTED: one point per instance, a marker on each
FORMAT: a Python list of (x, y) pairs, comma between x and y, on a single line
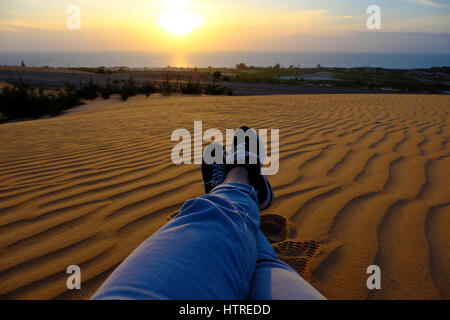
[(248, 152), (214, 169)]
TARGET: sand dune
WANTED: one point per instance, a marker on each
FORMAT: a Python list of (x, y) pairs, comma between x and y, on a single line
[(364, 177)]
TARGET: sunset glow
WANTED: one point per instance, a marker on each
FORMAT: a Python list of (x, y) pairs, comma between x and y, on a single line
[(178, 17), (232, 25)]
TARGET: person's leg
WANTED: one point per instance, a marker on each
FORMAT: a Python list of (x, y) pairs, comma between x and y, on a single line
[(275, 280), (208, 251)]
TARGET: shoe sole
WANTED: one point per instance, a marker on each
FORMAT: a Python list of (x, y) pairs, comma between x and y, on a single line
[(269, 200)]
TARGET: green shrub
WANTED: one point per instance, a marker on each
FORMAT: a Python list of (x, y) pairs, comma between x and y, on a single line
[(147, 88), (217, 75), (108, 89), (128, 89), (22, 101), (89, 90), (215, 89), (166, 88), (191, 87)]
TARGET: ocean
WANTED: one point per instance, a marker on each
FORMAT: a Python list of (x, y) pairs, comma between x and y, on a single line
[(224, 59)]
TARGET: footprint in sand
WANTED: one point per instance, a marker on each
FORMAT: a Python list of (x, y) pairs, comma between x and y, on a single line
[(298, 255), (274, 227), (279, 231), (277, 228), (290, 248)]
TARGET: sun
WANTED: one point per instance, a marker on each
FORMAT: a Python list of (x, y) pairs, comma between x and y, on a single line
[(178, 17)]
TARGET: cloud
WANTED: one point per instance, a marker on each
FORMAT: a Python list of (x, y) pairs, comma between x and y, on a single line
[(18, 27), (24, 27), (371, 42), (282, 22), (429, 3), (440, 24)]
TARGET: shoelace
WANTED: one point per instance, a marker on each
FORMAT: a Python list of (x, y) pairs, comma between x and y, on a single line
[(219, 172), (240, 152)]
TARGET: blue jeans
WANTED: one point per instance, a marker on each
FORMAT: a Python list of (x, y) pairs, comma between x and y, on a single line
[(212, 250)]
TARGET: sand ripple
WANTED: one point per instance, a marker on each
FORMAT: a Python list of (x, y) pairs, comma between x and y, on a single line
[(365, 176)]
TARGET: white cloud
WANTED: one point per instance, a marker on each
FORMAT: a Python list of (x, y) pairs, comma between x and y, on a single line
[(429, 3), (439, 24)]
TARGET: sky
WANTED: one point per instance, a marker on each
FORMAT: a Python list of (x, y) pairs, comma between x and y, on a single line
[(415, 26)]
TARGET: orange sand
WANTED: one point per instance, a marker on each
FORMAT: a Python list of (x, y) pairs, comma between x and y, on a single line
[(366, 176)]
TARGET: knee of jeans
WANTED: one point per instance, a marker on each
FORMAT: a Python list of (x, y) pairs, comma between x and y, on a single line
[(236, 192), (217, 206), (237, 201), (192, 206)]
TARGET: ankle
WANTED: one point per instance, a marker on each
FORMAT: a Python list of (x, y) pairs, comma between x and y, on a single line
[(237, 175)]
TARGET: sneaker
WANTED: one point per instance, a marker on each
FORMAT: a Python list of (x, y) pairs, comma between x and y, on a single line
[(214, 171), (248, 152)]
